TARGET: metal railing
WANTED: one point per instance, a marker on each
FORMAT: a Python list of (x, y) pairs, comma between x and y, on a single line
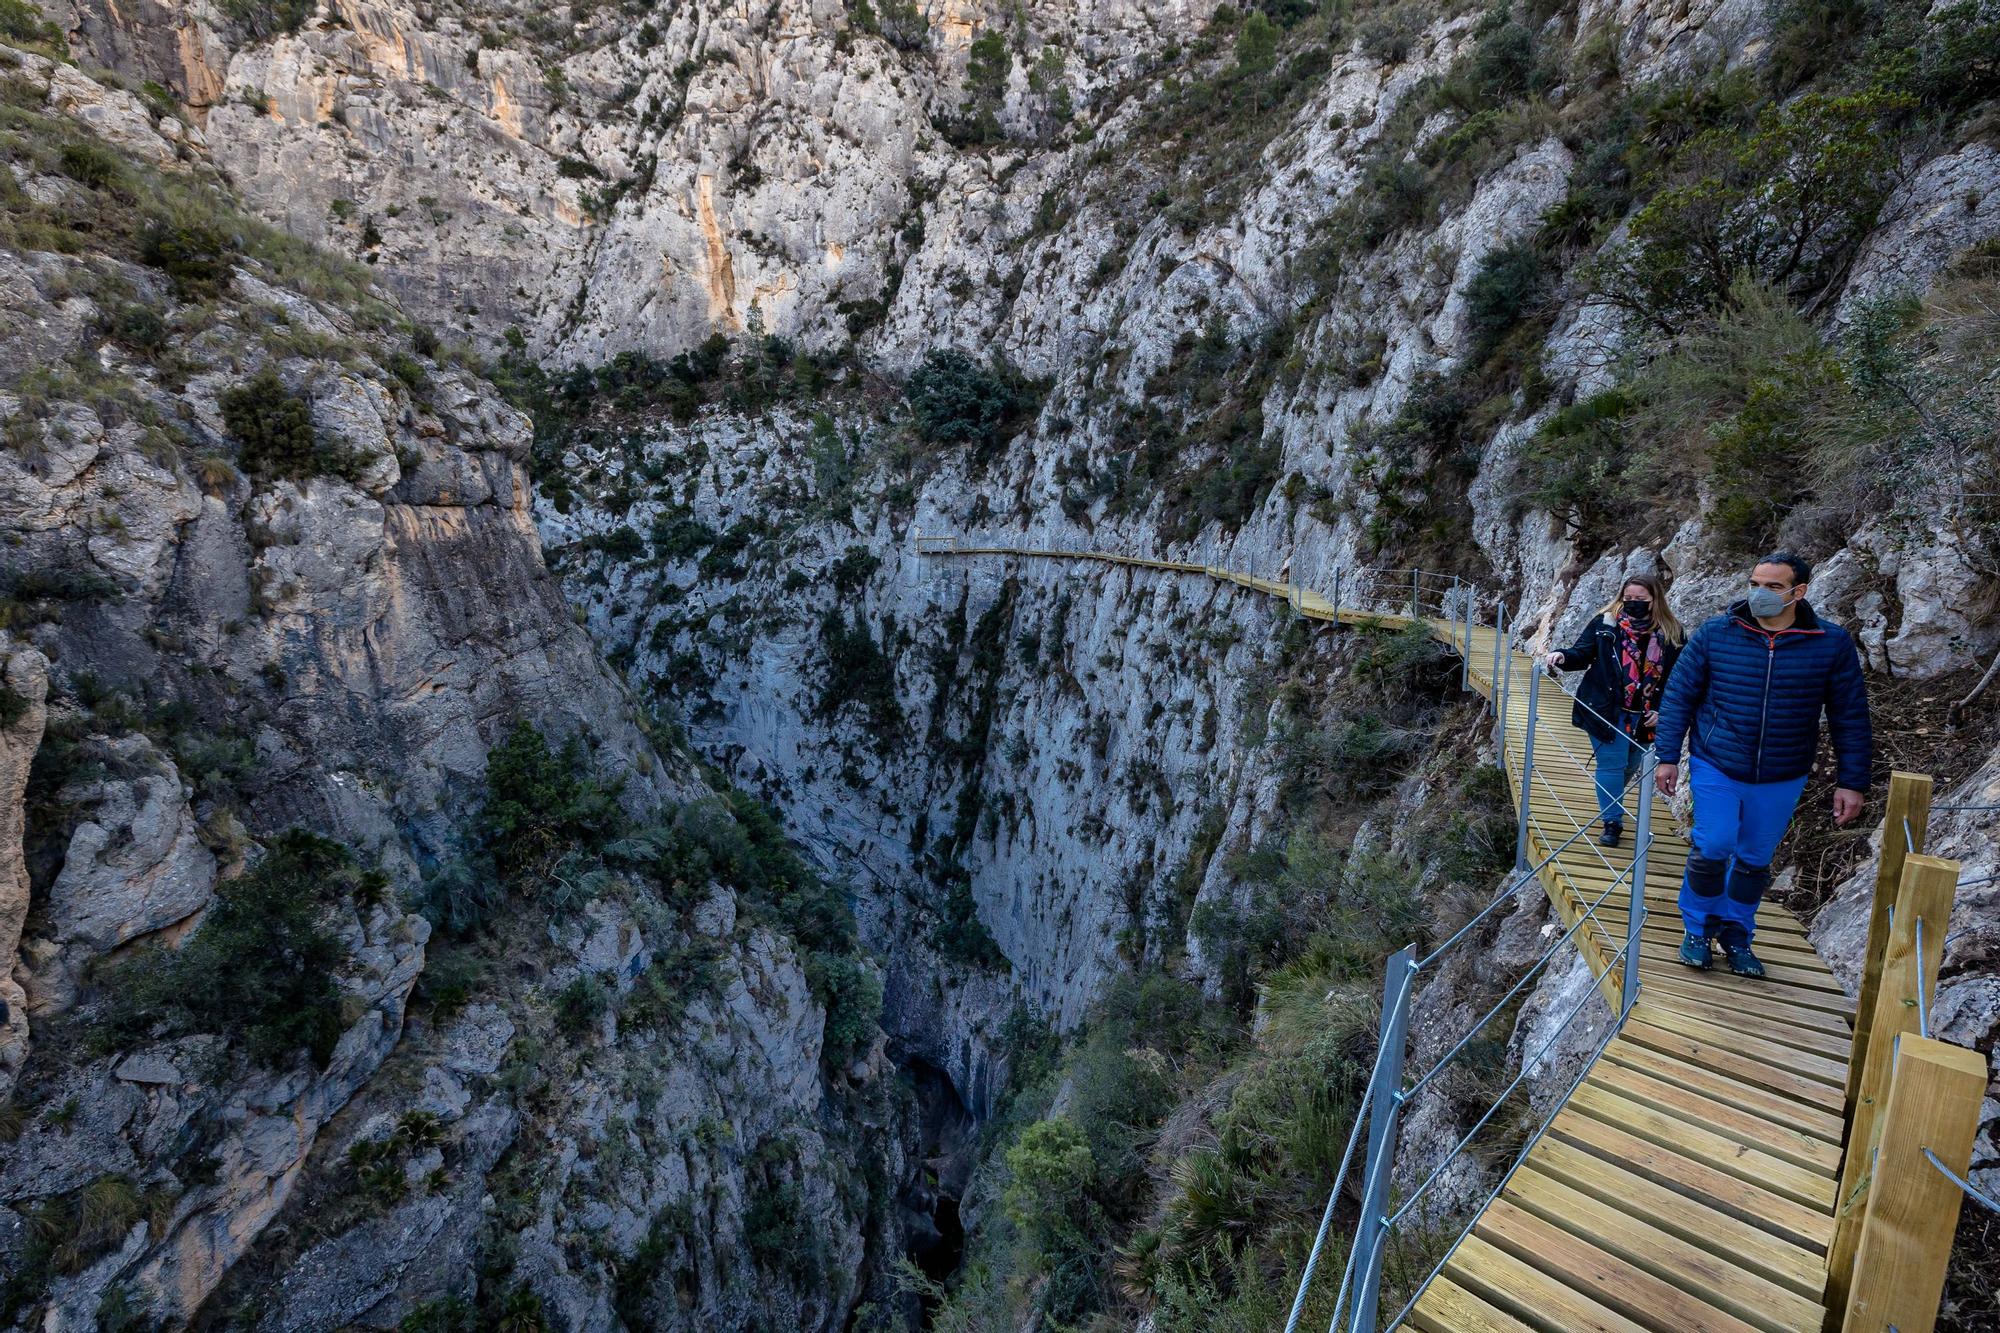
[(1451, 608), (1538, 856)]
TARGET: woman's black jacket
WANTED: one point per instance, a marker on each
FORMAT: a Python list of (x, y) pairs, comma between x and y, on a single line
[(1595, 653)]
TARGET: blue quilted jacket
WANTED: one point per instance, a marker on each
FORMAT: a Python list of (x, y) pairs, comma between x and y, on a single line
[(1748, 700)]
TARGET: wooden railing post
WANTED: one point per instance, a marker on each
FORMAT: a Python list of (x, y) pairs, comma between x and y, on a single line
[(1909, 799), (1928, 886), (1912, 1209)]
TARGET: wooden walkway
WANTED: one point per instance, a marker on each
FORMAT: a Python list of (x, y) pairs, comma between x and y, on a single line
[(1688, 1183)]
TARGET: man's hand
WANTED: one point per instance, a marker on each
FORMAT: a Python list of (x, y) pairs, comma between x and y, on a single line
[(1847, 804), (1667, 778)]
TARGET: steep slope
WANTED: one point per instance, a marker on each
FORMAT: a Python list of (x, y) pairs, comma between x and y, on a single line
[(338, 994)]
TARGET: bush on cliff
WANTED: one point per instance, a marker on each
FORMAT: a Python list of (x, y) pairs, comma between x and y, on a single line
[(260, 968), (955, 400)]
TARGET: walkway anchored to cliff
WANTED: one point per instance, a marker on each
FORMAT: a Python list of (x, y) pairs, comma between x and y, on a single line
[(1689, 1179)]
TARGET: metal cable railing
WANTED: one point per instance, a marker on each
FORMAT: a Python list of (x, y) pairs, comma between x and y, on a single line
[(1450, 606)]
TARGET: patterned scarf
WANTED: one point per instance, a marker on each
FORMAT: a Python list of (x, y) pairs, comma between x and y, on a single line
[(1642, 657)]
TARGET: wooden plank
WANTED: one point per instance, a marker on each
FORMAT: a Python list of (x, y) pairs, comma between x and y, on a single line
[(1600, 1275), (1912, 1210), (1446, 1307), (1699, 1179), (1727, 985), (1909, 798), (1756, 1167), (1928, 887), (1717, 1008), (1529, 1294), (1711, 1276), (1822, 1125), (1816, 1067), (1744, 1127), (1819, 1096), (1791, 1266)]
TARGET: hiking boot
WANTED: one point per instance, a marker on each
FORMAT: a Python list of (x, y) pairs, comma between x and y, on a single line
[(1741, 961), (1614, 832), (1695, 952)]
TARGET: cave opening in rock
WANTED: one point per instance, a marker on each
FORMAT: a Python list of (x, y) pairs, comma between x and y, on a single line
[(934, 1229)]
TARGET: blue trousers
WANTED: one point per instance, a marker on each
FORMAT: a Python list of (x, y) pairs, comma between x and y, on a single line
[(1737, 828), (1617, 766)]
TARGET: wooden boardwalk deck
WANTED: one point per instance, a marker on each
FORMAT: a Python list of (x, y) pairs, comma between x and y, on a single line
[(1688, 1184)]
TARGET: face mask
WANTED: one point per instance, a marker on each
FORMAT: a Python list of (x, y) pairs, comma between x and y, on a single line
[(1764, 603), (1637, 610)]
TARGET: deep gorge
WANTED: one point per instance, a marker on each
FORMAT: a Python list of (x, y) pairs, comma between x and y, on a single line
[(503, 828)]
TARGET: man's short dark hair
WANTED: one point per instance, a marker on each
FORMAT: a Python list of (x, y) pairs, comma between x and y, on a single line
[(1800, 566)]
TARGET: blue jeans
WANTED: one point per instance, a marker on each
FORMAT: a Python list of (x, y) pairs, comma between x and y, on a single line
[(1617, 766), (1737, 828)]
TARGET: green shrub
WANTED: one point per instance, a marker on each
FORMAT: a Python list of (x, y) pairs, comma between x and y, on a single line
[(1578, 463), (541, 805), (140, 328), (1049, 1194), (1388, 34), (852, 993), (1512, 283), (988, 62), (961, 936), (197, 255), (782, 1239), (409, 370), (260, 970), (267, 18), (955, 400), (272, 427), (90, 163), (859, 672), (23, 22), (852, 571), (581, 1003), (65, 1234)]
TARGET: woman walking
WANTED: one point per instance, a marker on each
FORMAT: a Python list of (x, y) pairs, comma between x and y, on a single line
[(1625, 653)]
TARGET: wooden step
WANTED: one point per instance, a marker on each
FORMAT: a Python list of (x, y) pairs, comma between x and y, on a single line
[(1583, 1267), (1699, 1179), (1714, 1280)]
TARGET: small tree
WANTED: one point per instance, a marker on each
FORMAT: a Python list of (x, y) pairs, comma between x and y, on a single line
[(988, 63), (540, 804), (958, 401), (1784, 203), (271, 425)]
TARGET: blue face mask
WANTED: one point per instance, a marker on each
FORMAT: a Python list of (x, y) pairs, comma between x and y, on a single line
[(1766, 603)]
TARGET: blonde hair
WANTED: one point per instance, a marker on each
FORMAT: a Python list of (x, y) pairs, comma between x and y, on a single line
[(1663, 615)]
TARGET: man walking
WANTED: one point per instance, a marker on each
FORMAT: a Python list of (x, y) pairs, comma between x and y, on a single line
[(1746, 697)]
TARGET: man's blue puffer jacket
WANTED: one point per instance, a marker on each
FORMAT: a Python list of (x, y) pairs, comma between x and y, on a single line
[(1748, 700)]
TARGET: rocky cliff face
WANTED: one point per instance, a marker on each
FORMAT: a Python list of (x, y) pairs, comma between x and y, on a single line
[(1289, 288), (271, 567)]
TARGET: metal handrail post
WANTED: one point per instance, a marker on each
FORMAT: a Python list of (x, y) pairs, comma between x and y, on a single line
[(1372, 1232), (1465, 644), (1499, 638), (1527, 765), (1503, 677), (1336, 596), (1416, 594), (1635, 915)]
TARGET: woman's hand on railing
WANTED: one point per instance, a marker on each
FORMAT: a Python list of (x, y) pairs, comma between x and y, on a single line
[(1553, 660)]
